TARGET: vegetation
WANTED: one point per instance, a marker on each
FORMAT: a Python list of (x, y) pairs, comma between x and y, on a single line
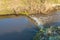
[(23, 6), (48, 33), (27, 7)]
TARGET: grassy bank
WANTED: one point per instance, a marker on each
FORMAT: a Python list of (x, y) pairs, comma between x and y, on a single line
[(22, 6)]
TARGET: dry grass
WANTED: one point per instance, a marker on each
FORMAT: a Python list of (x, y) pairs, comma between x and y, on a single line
[(25, 6)]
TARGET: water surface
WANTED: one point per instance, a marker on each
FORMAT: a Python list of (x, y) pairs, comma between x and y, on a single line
[(19, 28)]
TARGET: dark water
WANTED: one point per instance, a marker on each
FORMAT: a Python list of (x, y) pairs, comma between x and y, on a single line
[(17, 29)]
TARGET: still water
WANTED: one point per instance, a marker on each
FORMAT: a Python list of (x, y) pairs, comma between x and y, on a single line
[(19, 28)]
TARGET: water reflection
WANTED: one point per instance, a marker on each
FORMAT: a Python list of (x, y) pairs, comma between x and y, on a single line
[(17, 29)]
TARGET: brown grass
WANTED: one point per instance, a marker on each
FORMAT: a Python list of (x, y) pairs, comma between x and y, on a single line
[(26, 6)]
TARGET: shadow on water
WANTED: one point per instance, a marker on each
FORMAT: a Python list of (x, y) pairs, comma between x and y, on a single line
[(17, 29)]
